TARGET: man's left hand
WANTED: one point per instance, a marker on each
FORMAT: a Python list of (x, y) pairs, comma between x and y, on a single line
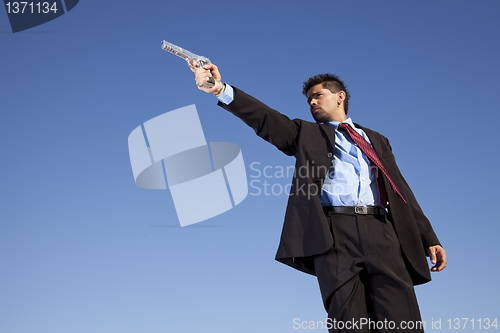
[(438, 258)]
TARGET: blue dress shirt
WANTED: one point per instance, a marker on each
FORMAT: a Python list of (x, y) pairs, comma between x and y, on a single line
[(351, 179)]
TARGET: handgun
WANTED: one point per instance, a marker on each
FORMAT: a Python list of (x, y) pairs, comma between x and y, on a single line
[(189, 57)]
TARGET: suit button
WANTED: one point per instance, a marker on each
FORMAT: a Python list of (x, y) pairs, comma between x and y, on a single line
[(329, 155)]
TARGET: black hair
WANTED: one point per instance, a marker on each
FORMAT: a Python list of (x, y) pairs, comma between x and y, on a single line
[(328, 81)]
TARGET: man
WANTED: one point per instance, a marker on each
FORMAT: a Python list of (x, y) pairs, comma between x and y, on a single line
[(351, 218)]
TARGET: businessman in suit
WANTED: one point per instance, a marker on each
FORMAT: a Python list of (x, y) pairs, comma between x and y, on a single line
[(351, 219)]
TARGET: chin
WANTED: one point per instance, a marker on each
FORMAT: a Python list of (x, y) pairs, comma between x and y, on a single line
[(321, 118)]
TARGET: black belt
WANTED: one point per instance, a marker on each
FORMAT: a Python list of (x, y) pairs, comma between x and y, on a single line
[(364, 210)]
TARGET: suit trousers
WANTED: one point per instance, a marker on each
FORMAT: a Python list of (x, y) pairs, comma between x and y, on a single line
[(363, 280)]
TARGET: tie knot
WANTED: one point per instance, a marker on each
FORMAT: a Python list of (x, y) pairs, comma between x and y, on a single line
[(343, 126)]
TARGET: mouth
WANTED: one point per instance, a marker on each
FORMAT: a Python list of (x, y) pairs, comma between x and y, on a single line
[(314, 110)]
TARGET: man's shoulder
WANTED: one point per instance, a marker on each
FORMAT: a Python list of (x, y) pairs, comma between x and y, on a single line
[(369, 131), (375, 137)]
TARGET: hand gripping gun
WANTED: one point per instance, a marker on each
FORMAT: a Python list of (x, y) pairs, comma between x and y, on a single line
[(189, 57)]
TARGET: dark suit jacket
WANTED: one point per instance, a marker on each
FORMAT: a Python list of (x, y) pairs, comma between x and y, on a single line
[(305, 230)]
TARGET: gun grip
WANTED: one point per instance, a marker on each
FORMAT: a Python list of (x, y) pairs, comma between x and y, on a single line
[(210, 83)]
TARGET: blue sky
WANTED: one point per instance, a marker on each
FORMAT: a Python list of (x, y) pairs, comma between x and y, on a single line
[(83, 249)]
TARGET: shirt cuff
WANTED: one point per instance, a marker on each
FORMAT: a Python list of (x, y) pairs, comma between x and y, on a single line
[(227, 96)]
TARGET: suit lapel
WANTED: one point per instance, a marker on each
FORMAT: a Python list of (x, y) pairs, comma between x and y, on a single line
[(374, 140), (329, 134)]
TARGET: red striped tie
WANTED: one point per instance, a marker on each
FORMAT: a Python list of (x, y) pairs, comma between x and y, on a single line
[(372, 155)]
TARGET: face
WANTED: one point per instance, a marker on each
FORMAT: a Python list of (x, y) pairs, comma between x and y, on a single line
[(324, 104)]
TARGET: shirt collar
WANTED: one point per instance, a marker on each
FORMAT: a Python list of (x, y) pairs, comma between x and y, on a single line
[(335, 124)]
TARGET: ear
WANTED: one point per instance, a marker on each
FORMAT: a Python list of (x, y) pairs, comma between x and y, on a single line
[(341, 95)]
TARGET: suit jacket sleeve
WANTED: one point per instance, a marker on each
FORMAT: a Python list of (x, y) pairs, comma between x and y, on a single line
[(427, 234), (267, 123), (412, 227)]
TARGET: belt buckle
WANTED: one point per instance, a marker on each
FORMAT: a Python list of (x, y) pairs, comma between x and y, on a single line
[(361, 210)]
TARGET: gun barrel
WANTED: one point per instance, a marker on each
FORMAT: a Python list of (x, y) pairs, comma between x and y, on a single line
[(177, 50)]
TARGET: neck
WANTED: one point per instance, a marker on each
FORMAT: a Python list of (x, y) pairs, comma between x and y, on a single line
[(339, 117)]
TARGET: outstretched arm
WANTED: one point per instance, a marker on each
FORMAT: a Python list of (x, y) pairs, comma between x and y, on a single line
[(267, 123)]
